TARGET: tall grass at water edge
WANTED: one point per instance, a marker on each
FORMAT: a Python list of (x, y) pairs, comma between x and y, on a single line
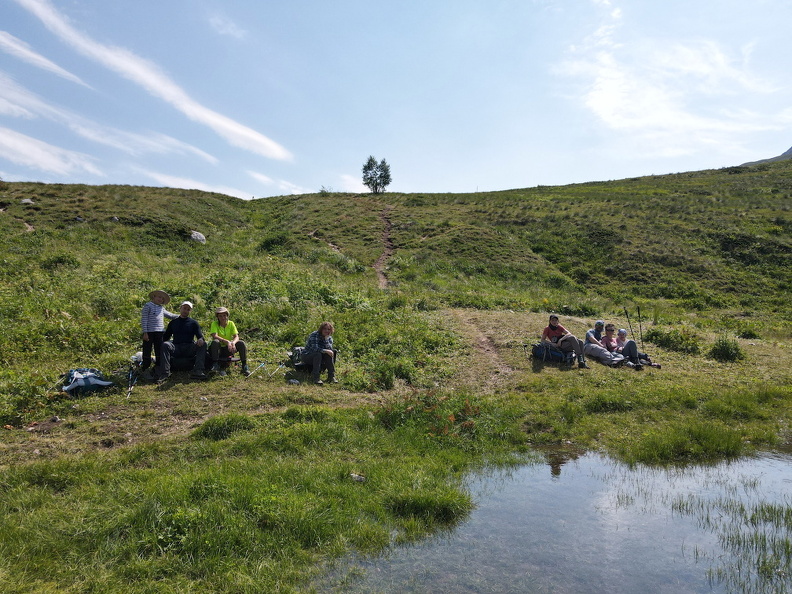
[(243, 504)]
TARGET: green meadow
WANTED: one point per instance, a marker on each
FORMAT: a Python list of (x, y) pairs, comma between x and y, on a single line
[(255, 484)]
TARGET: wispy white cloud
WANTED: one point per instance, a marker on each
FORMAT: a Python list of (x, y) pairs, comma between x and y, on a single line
[(281, 185), (13, 109), (290, 188), (672, 94), (172, 181), (17, 101), (260, 177), (350, 183), (30, 152), (150, 77), (225, 26), (20, 49)]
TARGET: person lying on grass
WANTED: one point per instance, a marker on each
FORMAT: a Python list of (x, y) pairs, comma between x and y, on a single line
[(609, 342), (560, 337), (595, 347), (629, 349)]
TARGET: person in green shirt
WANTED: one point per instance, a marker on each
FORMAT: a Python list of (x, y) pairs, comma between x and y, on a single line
[(225, 342)]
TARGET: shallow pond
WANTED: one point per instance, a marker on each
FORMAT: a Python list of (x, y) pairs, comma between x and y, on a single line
[(589, 524)]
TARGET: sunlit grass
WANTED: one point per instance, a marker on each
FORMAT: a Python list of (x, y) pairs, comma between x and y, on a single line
[(245, 484)]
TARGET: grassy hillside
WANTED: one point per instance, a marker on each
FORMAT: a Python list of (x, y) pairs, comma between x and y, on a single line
[(243, 484), (708, 250)]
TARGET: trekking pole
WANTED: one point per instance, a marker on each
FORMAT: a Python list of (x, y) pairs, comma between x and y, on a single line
[(639, 326), (257, 368), (281, 366), (56, 384), (133, 377), (629, 323)]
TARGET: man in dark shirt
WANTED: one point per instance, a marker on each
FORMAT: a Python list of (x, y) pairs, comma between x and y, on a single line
[(183, 339)]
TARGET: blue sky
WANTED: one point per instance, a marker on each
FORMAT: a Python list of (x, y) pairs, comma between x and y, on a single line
[(257, 98)]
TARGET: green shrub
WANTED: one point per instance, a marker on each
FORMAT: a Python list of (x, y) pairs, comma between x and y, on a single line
[(275, 241), (682, 341), (726, 350), (60, 260)]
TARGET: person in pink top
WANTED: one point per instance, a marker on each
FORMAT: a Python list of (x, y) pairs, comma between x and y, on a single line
[(610, 342), (595, 346), (560, 337)]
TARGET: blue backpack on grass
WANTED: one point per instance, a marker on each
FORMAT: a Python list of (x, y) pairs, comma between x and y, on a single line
[(80, 381), (550, 354)]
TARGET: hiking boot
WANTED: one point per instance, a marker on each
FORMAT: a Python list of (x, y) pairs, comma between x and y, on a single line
[(197, 374), (223, 373), (332, 380), (149, 375), (163, 378), (319, 383), (627, 363), (638, 367), (245, 369), (215, 368), (582, 363)]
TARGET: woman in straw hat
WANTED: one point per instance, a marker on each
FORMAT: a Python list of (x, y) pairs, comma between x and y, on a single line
[(153, 326)]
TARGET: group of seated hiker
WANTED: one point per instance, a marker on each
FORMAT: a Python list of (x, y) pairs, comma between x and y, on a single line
[(613, 348), (183, 339)]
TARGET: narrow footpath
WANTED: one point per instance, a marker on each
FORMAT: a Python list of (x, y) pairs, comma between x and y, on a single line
[(380, 266)]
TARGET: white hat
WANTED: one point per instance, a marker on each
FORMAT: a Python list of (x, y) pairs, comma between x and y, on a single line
[(187, 303)]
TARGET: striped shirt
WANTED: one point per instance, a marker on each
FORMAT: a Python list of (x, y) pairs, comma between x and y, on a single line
[(151, 317)]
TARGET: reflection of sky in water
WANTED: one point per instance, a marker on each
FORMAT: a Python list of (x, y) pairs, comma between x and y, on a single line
[(582, 525)]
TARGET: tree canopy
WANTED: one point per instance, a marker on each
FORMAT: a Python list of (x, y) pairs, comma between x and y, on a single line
[(376, 176)]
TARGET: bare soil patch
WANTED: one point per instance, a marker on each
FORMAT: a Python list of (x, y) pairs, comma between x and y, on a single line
[(387, 252)]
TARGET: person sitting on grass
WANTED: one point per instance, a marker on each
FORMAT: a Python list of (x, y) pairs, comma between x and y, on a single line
[(595, 348), (629, 349), (188, 342), (558, 336), (629, 357), (320, 354), (225, 342)]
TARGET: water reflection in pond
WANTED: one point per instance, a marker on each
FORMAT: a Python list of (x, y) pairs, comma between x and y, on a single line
[(590, 524)]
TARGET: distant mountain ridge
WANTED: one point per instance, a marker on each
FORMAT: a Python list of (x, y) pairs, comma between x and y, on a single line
[(782, 157)]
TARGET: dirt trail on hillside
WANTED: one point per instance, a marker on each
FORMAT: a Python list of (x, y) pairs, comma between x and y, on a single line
[(381, 264), (486, 368)]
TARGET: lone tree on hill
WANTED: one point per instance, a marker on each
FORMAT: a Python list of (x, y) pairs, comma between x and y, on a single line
[(376, 176)]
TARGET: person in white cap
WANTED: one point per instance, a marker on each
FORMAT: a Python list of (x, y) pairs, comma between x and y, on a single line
[(183, 339), (153, 326)]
